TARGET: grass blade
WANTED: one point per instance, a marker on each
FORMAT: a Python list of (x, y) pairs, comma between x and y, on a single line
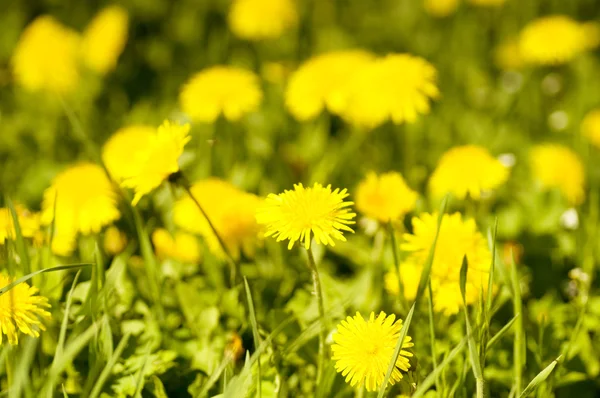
[(537, 380), (255, 334), (20, 242), (31, 275), (501, 332), (60, 346), (519, 338), (109, 367)]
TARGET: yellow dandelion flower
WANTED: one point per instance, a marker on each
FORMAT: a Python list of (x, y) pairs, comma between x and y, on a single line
[(85, 201), (467, 171), (21, 310), (590, 127), (152, 162), (226, 90), (114, 241), (104, 39), (321, 82), (262, 19), (385, 197), (28, 221), (508, 56), (231, 211), (555, 39), (183, 246), (556, 166), (487, 3), (46, 57), (363, 350), (297, 214), (457, 238), (440, 8), (397, 87)]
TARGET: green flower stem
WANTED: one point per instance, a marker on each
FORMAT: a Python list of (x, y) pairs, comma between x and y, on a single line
[(397, 266), (482, 391), (323, 330)]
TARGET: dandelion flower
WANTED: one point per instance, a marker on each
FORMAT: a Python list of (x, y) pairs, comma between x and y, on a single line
[(150, 164), (363, 350), (262, 19), (46, 57), (555, 40), (385, 197), (508, 56), (556, 166), (183, 246), (487, 3), (440, 8), (104, 39), (85, 201), (21, 310), (28, 221), (397, 87), (297, 214), (321, 82), (126, 149), (114, 241), (590, 127), (230, 210), (226, 90), (467, 171)]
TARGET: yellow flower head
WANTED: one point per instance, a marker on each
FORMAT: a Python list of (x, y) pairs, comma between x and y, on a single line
[(114, 241), (183, 246), (440, 8), (28, 221), (20, 310), (590, 127), (397, 87), (363, 350), (385, 197), (104, 39), (508, 56), (85, 201), (229, 90), (487, 3), (555, 39), (556, 166), (457, 238), (46, 57), (294, 215), (467, 170), (141, 159), (262, 19), (231, 212), (322, 82)]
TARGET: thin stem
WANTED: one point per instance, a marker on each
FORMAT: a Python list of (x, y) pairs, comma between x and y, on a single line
[(482, 391), (397, 266), (323, 330), (432, 340)]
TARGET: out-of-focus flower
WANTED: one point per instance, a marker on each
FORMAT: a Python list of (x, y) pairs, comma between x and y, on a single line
[(556, 166), (262, 19), (440, 8), (183, 246), (28, 221), (46, 57), (85, 201), (556, 39), (322, 83), (508, 55), (21, 310), (590, 127), (226, 90), (512, 250), (141, 158), (104, 39), (230, 210), (467, 170), (385, 197), (275, 72), (114, 240), (363, 350), (487, 3), (397, 87), (298, 214)]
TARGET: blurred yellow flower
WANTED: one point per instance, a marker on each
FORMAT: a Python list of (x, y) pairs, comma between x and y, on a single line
[(46, 57), (231, 211), (556, 166), (152, 162), (467, 171), (397, 87), (322, 82), (226, 90), (114, 240), (294, 215), (21, 310), (85, 201), (28, 221), (507, 55), (590, 127), (440, 8), (183, 246), (556, 39), (363, 350), (104, 39), (262, 19), (487, 3), (385, 197)]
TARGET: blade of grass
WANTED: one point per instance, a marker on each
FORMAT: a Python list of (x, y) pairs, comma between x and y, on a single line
[(109, 367), (20, 242), (65, 321), (432, 336), (255, 334), (537, 380), (31, 275), (519, 337), (22, 370), (490, 290), (501, 332)]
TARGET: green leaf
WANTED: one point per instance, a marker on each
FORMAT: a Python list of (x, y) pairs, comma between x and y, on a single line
[(255, 334), (109, 367), (31, 275), (537, 380), (463, 278), (501, 332)]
